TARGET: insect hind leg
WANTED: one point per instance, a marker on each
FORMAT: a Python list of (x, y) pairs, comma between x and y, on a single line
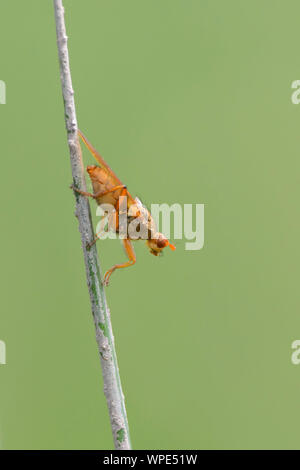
[(131, 260)]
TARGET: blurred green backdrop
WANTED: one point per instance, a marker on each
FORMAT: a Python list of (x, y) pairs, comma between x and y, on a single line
[(190, 102)]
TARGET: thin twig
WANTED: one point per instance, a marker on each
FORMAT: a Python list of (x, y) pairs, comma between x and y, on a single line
[(101, 314)]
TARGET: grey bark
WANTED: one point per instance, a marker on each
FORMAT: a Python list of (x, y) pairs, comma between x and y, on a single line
[(100, 311)]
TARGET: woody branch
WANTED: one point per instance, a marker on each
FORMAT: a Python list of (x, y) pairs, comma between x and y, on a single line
[(100, 311)]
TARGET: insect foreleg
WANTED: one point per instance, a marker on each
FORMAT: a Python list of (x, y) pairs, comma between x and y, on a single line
[(83, 193), (100, 193)]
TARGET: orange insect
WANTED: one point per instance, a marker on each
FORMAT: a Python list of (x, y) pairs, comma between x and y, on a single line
[(108, 189)]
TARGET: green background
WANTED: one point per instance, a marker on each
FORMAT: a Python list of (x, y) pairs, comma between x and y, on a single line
[(189, 101)]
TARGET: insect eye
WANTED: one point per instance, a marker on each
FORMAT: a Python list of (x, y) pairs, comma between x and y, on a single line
[(161, 243)]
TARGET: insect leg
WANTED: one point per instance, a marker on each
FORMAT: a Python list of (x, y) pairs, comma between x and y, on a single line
[(123, 193), (103, 193), (131, 256), (103, 223), (100, 193), (83, 193)]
